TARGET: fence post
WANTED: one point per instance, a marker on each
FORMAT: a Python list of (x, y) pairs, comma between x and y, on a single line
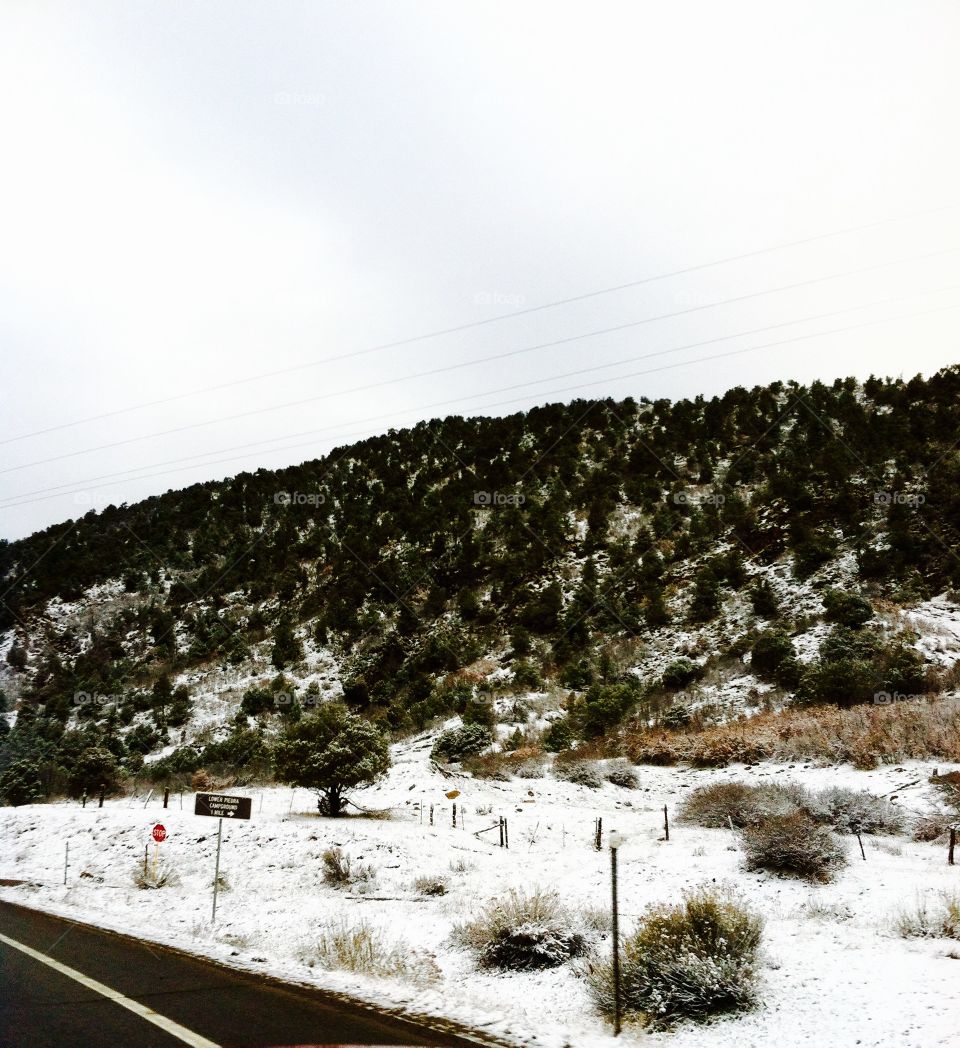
[(953, 841), (166, 796), (66, 862), (666, 824), (454, 814)]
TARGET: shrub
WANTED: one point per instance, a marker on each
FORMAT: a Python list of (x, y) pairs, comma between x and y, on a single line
[(163, 876), (20, 783), (582, 773), (621, 774), (691, 960), (522, 932), (527, 762), (926, 920), (680, 673), (863, 735), (430, 885), (773, 657), (457, 743), (558, 735), (851, 810), (793, 844), (932, 827), (364, 949), (739, 804), (340, 871), (847, 609)]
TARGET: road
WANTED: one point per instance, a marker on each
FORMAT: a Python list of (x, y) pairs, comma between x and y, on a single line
[(158, 998)]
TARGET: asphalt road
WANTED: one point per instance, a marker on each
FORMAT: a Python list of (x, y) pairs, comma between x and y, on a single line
[(191, 1001)]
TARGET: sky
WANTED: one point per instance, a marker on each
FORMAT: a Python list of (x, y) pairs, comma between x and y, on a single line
[(236, 235)]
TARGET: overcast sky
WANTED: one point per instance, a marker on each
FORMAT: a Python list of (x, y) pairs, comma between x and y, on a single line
[(197, 194)]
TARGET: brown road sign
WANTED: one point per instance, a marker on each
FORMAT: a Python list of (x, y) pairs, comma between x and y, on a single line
[(222, 806)]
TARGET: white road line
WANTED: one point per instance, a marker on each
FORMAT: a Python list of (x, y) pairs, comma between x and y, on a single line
[(167, 1025)]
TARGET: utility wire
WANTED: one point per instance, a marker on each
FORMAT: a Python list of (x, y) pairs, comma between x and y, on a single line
[(470, 325), (261, 444), (470, 363), (575, 388)]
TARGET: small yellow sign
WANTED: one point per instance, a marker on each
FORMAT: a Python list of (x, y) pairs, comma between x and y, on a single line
[(452, 795)]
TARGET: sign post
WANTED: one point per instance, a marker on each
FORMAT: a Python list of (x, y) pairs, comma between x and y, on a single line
[(615, 840), (159, 836), (216, 870), (221, 806)]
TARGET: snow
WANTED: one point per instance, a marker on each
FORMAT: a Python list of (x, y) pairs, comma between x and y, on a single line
[(834, 972)]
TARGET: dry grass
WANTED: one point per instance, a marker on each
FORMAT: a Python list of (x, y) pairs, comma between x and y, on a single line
[(865, 736), (527, 762), (926, 919), (364, 949)]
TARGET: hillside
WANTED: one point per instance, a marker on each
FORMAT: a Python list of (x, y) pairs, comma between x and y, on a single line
[(585, 572)]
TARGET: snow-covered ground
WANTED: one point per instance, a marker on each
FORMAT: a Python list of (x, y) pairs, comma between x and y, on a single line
[(835, 974)]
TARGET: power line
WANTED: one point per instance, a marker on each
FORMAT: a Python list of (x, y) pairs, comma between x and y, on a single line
[(575, 388), (471, 363), (556, 303), (261, 444)]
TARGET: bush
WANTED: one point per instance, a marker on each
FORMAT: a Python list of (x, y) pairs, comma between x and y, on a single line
[(939, 920), (583, 773), (739, 804), (163, 877), (851, 810), (771, 656), (847, 609), (932, 827), (430, 885), (863, 735), (364, 949), (687, 961), (793, 844), (522, 932), (340, 871), (20, 784), (743, 804), (558, 735), (679, 674), (621, 774), (458, 743)]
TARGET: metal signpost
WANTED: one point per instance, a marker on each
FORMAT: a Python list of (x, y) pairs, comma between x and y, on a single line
[(159, 836), (615, 840), (221, 806)]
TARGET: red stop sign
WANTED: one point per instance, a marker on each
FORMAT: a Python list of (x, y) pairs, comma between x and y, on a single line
[(159, 833)]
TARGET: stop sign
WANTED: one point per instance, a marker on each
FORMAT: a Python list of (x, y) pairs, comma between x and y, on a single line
[(159, 833)]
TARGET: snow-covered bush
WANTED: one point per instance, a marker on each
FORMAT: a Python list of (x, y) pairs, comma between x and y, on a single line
[(340, 871), (364, 949), (431, 884), (523, 932), (846, 809), (793, 844), (690, 960), (932, 826), (931, 920), (146, 875), (739, 803), (458, 743), (621, 774), (583, 773)]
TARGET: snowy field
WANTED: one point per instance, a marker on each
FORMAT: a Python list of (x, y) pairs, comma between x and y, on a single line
[(835, 973)]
